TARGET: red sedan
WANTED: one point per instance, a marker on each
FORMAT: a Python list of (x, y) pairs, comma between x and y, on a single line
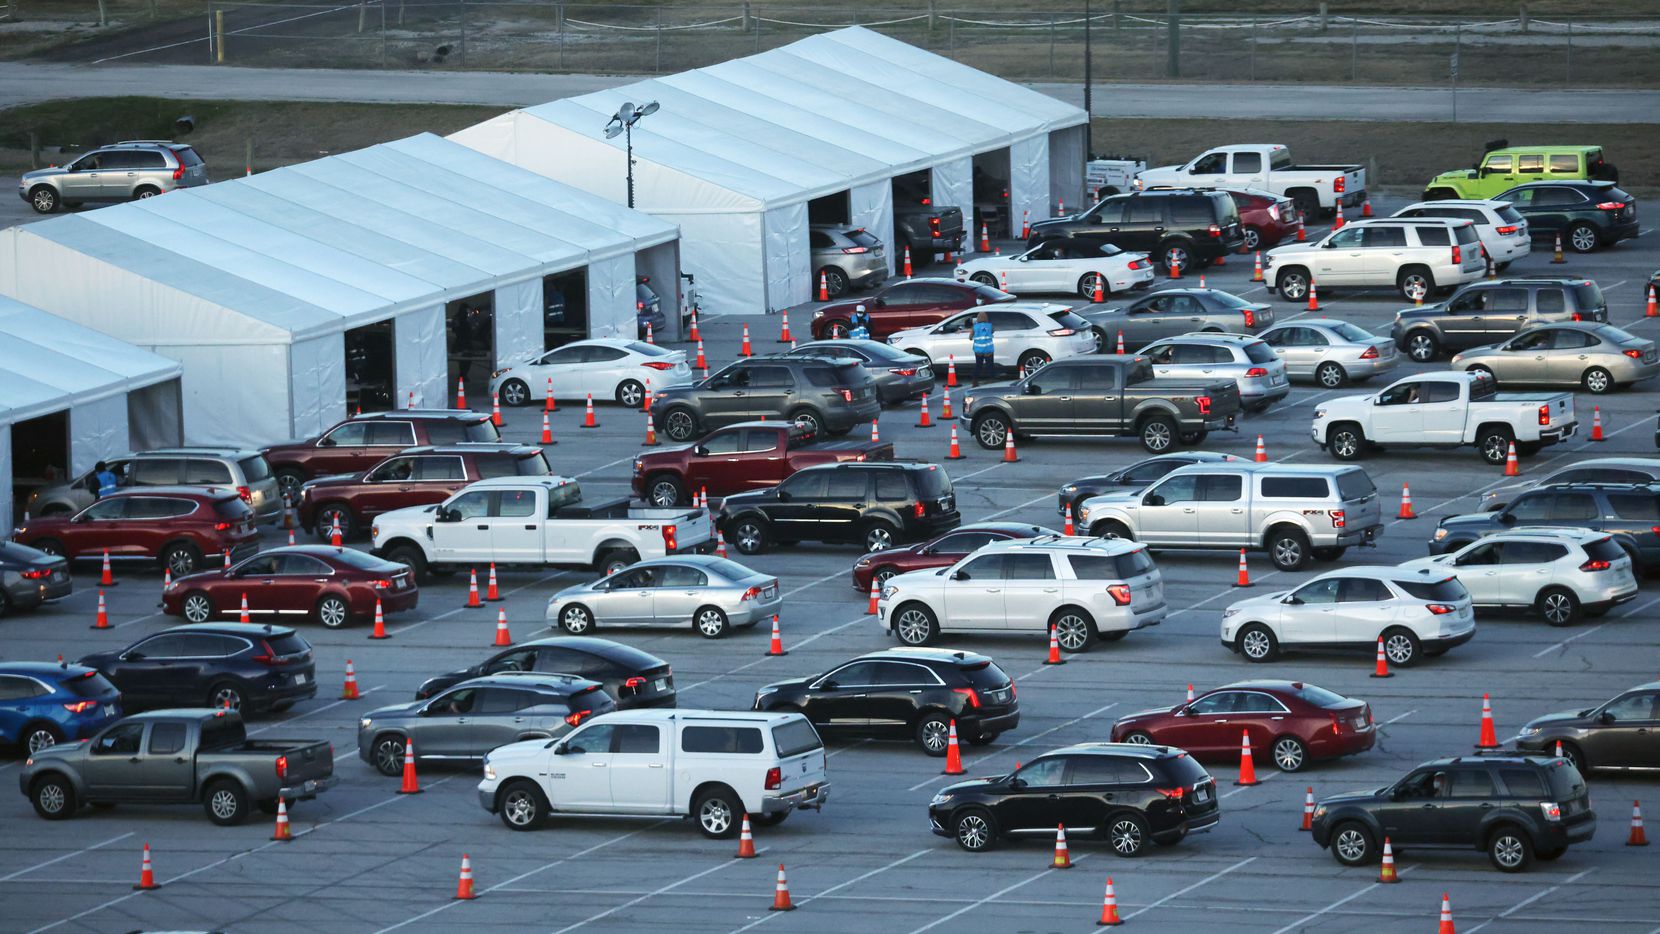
[(939, 552), (332, 585), (1293, 721)]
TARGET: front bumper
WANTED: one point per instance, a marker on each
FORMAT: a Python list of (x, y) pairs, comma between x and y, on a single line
[(310, 788), (812, 798)]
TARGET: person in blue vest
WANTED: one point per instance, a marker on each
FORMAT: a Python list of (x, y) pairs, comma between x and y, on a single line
[(859, 329), (984, 344), (103, 480)]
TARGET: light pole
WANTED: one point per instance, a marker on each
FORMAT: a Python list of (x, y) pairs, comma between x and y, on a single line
[(623, 122)]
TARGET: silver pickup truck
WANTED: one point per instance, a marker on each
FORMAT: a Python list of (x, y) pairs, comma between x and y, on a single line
[(178, 756)]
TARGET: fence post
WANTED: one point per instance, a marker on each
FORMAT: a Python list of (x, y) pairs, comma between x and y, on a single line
[(219, 29), (1253, 48), (1173, 53), (463, 33), (559, 17), (1570, 79), (362, 16), (748, 25), (1323, 16), (212, 41), (103, 14)]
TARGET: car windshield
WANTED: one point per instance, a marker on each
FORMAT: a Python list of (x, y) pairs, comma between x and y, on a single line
[(255, 468), (1318, 696), (1447, 591), (1133, 563), (794, 737), (1604, 549), (1350, 332), (1508, 213), (187, 156)]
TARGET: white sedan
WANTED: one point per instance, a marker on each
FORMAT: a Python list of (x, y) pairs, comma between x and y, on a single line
[(1027, 336), (1062, 266), (609, 368)]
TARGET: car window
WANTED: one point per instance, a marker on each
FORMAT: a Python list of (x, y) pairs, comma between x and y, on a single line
[(819, 240), (771, 377), (1408, 393), (1319, 592), (1221, 488), (1530, 163), (1385, 237), (1110, 211), (1151, 470), (760, 440), (1003, 321), (1172, 490), (1546, 197), (1471, 783), (201, 471), (794, 737), (722, 739), (567, 661), (1574, 507), (847, 485), (516, 660), (500, 700), (1638, 705), (1247, 162), (456, 703), (594, 739), (149, 507), (635, 578), (351, 434), (400, 434), (807, 485), (1145, 211), (1532, 340), (1523, 783), (1566, 339), (471, 505), (1442, 591), (726, 442), (1028, 567), (983, 568), (202, 645), (1044, 772), (1294, 487), (961, 543), (15, 688), (1095, 379), (1434, 235), (1052, 380), (1507, 301), (515, 504), (679, 575), (1363, 590), (443, 467), (395, 470), (1533, 507), (1481, 554), (1105, 770), (856, 674), (120, 741), (1643, 507), (1348, 239), (1191, 212), (892, 486), (1522, 552), (902, 673), (1440, 391), (1499, 163), (1550, 301), (1220, 702), (1258, 702), (636, 739), (258, 567), (157, 471), (303, 565)]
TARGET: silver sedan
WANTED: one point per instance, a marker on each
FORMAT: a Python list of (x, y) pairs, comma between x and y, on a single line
[(1330, 352), (713, 594), (1599, 357)]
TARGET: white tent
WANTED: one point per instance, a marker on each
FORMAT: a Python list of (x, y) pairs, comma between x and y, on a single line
[(253, 283), (116, 397), (740, 148)]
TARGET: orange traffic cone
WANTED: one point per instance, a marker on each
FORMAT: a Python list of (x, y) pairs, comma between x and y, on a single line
[(291, 538), (167, 573), (875, 597), (1244, 578), (349, 690), (1069, 528), (951, 371), (503, 637), (1446, 916), (1489, 736), (548, 403), (1190, 693), (1063, 857), (1406, 503), (823, 287), (1003, 280), (1120, 350), (460, 393), (1381, 669), (1637, 837), (1262, 451), (956, 452), (1366, 208), (547, 429), (102, 621), (1302, 230), (1308, 810), (985, 239), (953, 753), (1256, 272), (227, 555), (588, 420), (288, 519), (720, 544), (336, 537), (702, 362), (410, 785), (695, 335), (1109, 908), (1099, 295), (945, 406), (281, 833), (746, 841), (777, 647), (1025, 225), (1009, 455), (146, 873), (1511, 467), (745, 350), (1596, 423), (1175, 269), (906, 268), (464, 885), (1386, 872), (242, 617), (1557, 258), (1247, 770), (1653, 310), (380, 623), (495, 409), (784, 329), (1313, 296), (492, 594), (1201, 280), (107, 578), (927, 420), (875, 436), (651, 432), (1337, 222), (781, 894), (1054, 649), (473, 602)]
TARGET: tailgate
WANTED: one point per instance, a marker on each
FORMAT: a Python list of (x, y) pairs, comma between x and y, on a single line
[(801, 757), (307, 760), (848, 450), (951, 222)]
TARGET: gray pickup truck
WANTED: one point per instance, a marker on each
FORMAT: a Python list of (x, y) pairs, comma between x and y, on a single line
[(175, 757)]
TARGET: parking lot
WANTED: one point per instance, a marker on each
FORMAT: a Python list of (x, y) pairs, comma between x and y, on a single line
[(366, 859)]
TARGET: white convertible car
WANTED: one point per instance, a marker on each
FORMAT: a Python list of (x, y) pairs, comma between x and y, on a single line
[(1062, 266)]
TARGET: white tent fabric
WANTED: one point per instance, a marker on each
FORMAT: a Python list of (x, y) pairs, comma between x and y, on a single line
[(1066, 168), (611, 287), (50, 365), (739, 148), (252, 283)]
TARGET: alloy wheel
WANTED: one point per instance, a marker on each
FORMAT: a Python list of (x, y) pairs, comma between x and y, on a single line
[(973, 833), (715, 817)]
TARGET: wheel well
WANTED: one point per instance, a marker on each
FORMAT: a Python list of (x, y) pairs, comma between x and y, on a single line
[(928, 710), (177, 542), (400, 543), (1081, 611), (907, 605), (794, 413), (34, 783), (710, 786), (613, 544), (1411, 267), (1500, 825), (513, 783), (662, 474), (1292, 193), (1359, 429), (53, 728), (1268, 536), (146, 188), (1100, 528), (1504, 429), (1142, 417), (1568, 744)]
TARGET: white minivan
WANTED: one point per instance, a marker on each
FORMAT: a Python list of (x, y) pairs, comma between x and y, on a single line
[(714, 766)]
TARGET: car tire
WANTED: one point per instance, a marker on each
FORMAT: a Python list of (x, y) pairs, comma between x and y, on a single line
[(630, 394), (1289, 754), (1256, 643), (881, 575), (227, 695), (985, 278), (1033, 360), (1353, 845), (1559, 606), (1073, 629), (1331, 375), (880, 536), (53, 797), (614, 560), (1346, 441), (45, 199), (1598, 381), (1112, 528), (386, 754), (333, 612), (1576, 755), (37, 736), (665, 490), (1288, 548), (1292, 284), (1139, 738), (991, 430), (410, 557), (710, 622), (679, 424), (1582, 238), (1086, 286), (226, 802), (749, 535), (1307, 201), (717, 812), (522, 805), (915, 624), (808, 419), (576, 619), (326, 516), (1509, 849), (1494, 445), (1128, 834), (975, 830), (835, 281), (1176, 254), (1402, 648), (1158, 433), (145, 191), (933, 733), (1253, 239), (1100, 338), (1422, 346), (289, 482), (1415, 283), (181, 558), (515, 392)]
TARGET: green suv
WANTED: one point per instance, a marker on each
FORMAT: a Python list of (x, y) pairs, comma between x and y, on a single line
[(1504, 167)]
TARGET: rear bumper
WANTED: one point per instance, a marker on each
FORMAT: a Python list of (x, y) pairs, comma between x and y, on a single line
[(1559, 432), (1447, 642), (26, 595), (1001, 723), (310, 788), (1349, 537), (812, 797)]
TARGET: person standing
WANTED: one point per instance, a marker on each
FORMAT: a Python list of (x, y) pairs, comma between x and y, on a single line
[(104, 478), (984, 345), (860, 329)]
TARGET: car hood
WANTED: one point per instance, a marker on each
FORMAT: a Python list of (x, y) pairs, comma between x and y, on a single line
[(1560, 718), (573, 591), (1294, 249), (1354, 797), (1261, 600), (408, 514), (1054, 223), (99, 659), (395, 712), (749, 497), (1471, 520), (1476, 353), (973, 785), (334, 480), (783, 685), (917, 577), (1155, 712), (1117, 497), (44, 173), (1416, 313), (1456, 175)]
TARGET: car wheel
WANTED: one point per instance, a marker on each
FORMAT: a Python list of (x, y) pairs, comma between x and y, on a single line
[(387, 754), (181, 559), (226, 803), (985, 278), (1597, 380), (836, 331), (666, 491), (1288, 548), (1112, 528), (289, 482), (1422, 346), (1559, 606), (1128, 834), (749, 536), (145, 192), (718, 811), (879, 536), (933, 733), (1032, 361), (1257, 643), (1575, 755), (884, 574), (1353, 845), (1073, 630), (630, 393), (1494, 444), (522, 806), (615, 560), (1176, 255), (515, 393), (1100, 338), (1158, 434), (38, 736), (808, 419), (976, 830), (915, 625), (710, 622), (332, 513), (1293, 284), (679, 425), (1346, 442), (225, 695), (197, 607), (1253, 239), (1415, 284), (835, 281), (44, 199), (1402, 648), (410, 557), (53, 797), (1138, 738), (333, 612), (1582, 237), (1087, 283), (1510, 850), (576, 619), (1330, 375), (1290, 755), (991, 430)]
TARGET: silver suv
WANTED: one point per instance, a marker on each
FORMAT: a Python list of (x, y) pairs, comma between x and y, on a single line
[(1559, 573), (847, 258), (1250, 363), (118, 172), (246, 471)]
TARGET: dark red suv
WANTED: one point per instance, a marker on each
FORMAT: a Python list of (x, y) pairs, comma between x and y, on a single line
[(363, 441), (179, 526), (908, 303), (1295, 722), (415, 477), (334, 586)]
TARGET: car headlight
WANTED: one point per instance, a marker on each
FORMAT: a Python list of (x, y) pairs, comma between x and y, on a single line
[(1070, 488), (968, 402), (1320, 812), (862, 563), (1083, 513), (374, 532), (941, 798), (365, 723), (1456, 358), (1230, 611), (889, 591), (818, 313), (489, 771), (1440, 534), (496, 373), (1319, 414), (1530, 731)]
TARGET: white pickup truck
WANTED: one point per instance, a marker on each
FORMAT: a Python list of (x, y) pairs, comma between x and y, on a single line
[(536, 521), (1266, 166), (713, 766), (1445, 410)]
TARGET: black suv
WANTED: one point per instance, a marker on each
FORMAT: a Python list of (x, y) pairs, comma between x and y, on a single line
[(633, 677), (1629, 512), (905, 692), (242, 666), (1588, 215), (876, 505), (1514, 807), (1178, 226), (1484, 313), (827, 394), (1124, 793)]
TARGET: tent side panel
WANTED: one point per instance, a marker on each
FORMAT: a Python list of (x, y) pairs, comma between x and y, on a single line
[(1029, 178), (661, 264), (611, 311), (872, 208), (1066, 170), (235, 395), (788, 260), (317, 376), (420, 356), (723, 252), (97, 430), (518, 322), (953, 184), (6, 522)]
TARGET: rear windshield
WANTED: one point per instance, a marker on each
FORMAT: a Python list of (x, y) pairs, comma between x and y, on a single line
[(1483, 386), (745, 740), (1466, 233), (987, 294), (1355, 484), (591, 698), (364, 560), (453, 432), (1183, 770), (1566, 783), (648, 350), (1615, 194), (1587, 295), (986, 675), (1227, 212), (1523, 783), (1111, 567), (187, 156), (845, 376), (232, 508), (1447, 591), (536, 465), (1507, 212), (1614, 335), (255, 468), (794, 737), (1319, 696), (1228, 299), (1258, 352), (932, 483), (288, 643), (731, 570), (91, 684), (1295, 487), (222, 733), (1604, 549), (1067, 319), (863, 237), (1350, 332)]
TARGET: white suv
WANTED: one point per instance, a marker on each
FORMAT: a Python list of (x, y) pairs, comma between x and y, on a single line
[(1415, 611), (1501, 228), (1083, 588), (1416, 256), (1560, 573), (1027, 336), (1248, 361)]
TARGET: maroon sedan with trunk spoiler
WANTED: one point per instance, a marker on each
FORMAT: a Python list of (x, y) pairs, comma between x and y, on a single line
[(334, 586), (1293, 721)]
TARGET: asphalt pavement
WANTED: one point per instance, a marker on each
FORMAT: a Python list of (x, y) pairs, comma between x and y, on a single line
[(367, 860)]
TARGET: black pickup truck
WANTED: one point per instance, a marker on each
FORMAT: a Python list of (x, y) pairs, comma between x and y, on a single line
[(922, 225)]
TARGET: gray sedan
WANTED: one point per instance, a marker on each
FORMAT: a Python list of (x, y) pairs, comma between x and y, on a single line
[(899, 376), (1331, 352), (1169, 312), (713, 594), (1599, 357)]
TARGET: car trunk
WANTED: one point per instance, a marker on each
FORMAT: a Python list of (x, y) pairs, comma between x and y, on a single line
[(647, 688), (1359, 496), (801, 757), (992, 686)]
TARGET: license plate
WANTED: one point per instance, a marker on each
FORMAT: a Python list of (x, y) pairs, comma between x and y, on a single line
[(299, 679), (1201, 794), (660, 684), (399, 583), (770, 592)]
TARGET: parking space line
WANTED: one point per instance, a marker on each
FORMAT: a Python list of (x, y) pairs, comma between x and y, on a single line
[(1578, 635), (638, 899), (1179, 892), (814, 583), (793, 645), (448, 613), (50, 862), (139, 620), (836, 888), (993, 897), (302, 716), (1401, 717), (956, 480), (1300, 922), (1265, 777), (1030, 502), (589, 473), (1016, 745)]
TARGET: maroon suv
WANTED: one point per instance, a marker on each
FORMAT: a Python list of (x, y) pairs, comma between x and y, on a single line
[(416, 477), (331, 585), (908, 303), (363, 441), (179, 526)]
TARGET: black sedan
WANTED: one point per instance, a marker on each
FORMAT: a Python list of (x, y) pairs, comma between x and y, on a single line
[(29, 577), (1134, 477), (1623, 734), (899, 376), (243, 666), (633, 677)]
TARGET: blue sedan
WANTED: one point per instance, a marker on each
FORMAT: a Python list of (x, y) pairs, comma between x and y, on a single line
[(42, 703)]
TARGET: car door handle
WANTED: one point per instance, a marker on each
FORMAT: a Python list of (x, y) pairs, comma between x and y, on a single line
[(597, 765), (530, 528), (1236, 511), (1486, 806), (654, 765), (267, 583), (1276, 718), (1222, 720), (1065, 398), (689, 593), (1051, 590), (1054, 797), (135, 759), (1189, 509), (484, 528), (994, 590), (460, 719), (917, 691), (180, 760)]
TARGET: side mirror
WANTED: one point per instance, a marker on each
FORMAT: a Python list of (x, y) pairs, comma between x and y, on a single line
[(783, 496), (1506, 519), (879, 303), (559, 749), (132, 657), (1033, 389), (1153, 499), (447, 515), (958, 576), (1328, 245), (1292, 600), (1016, 782), (1022, 258), (700, 451), (1605, 717), (325, 442)]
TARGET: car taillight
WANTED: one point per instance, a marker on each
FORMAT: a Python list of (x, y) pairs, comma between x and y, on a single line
[(636, 682), (1634, 354), (80, 706), (1457, 255), (1507, 229), (1336, 726), (1339, 183), (1338, 519), (1255, 371), (382, 584), (1120, 593), (1138, 264), (750, 594), (855, 249), (775, 778), (972, 695), (1204, 404), (903, 371), (223, 526), (934, 226), (1063, 332), (268, 655), (639, 306), (1577, 317), (669, 539), (1544, 415), (1610, 206), (1274, 211), (282, 766), (1250, 317), (1440, 609), (919, 509), (178, 171), (37, 574), (1595, 565), (246, 493), (1215, 232), (659, 365), (847, 394), (1174, 794), (1551, 810), (926, 201), (1370, 353), (575, 717)]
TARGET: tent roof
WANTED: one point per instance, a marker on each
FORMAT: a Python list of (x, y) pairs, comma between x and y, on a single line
[(48, 364), (354, 238)]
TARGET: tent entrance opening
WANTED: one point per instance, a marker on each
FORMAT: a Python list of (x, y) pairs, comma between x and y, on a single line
[(369, 368), (40, 455), (471, 327), (564, 308), (991, 195), (914, 218)]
